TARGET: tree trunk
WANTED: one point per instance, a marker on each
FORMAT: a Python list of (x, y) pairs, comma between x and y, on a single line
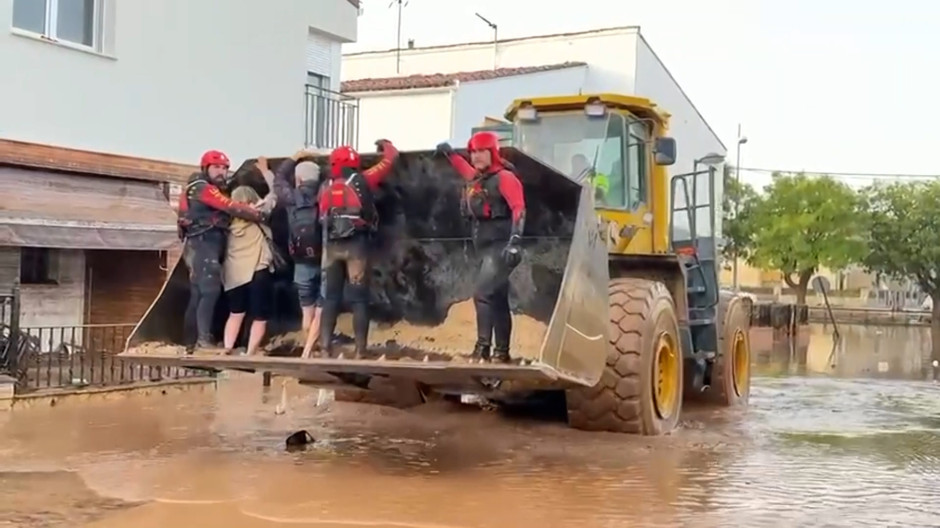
[(800, 286), (935, 326)]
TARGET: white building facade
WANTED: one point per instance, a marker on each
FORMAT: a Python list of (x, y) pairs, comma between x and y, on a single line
[(105, 103), (618, 60), (419, 112), (165, 79)]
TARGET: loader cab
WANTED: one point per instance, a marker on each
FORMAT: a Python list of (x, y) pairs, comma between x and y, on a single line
[(614, 144)]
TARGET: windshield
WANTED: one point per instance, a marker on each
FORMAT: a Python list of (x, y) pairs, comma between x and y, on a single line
[(592, 148)]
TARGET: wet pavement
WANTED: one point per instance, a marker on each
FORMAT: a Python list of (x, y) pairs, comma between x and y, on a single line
[(843, 438)]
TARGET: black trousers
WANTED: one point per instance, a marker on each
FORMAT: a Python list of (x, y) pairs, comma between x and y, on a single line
[(491, 296), (203, 256)]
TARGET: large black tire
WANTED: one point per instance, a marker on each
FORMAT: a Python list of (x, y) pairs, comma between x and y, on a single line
[(731, 372), (643, 329), (399, 393)]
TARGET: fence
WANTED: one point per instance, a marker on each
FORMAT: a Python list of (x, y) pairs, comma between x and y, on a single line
[(75, 356), (332, 119)]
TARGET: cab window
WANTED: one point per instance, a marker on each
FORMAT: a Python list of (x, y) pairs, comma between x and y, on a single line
[(584, 148), (638, 165)]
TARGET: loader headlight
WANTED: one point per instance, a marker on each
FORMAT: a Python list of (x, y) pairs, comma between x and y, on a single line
[(527, 112), (595, 109)]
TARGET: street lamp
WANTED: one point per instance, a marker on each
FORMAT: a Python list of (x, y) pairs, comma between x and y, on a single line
[(709, 160), (737, 202)]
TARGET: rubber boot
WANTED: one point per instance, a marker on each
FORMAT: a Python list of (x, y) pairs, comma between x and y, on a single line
[(361, 328), (327, 326), (481, 352), (501, 355)]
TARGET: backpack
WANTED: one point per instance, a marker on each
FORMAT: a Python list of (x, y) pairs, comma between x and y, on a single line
[(350, 208), (306, 237)]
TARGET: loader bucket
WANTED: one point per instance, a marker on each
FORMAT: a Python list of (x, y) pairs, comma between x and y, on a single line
[(422, 282)]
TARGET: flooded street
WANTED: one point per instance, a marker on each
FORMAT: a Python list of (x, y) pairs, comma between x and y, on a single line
[(835, 436)]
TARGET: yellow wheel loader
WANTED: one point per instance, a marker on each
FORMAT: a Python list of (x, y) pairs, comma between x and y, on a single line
[(615, 305)]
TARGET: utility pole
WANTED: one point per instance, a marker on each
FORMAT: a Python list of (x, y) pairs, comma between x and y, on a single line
[(401, 3), (737, 202), (495, 39)]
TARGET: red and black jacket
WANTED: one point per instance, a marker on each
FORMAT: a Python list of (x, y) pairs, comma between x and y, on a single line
[(493, 199), (203, 208)]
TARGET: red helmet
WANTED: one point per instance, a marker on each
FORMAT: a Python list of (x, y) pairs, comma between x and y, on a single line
[(214, 157), (486, 141), (344, 157)]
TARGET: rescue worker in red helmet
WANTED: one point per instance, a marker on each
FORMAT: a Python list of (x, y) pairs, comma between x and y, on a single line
[(349, 219), (494, 202), (204, 215)]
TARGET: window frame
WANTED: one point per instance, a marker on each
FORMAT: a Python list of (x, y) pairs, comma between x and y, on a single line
[(640, 145), (47, 260), (624, 205), (51, 22), (317, 80)]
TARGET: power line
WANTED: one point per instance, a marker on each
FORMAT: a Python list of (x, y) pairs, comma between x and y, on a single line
[(859, 175)]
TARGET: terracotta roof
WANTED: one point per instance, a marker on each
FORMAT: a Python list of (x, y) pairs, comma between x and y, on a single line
[(39, 156), (439, 80), (500, 41)]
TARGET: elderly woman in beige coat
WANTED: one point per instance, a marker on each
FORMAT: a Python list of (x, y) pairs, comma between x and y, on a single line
[(247, 273)]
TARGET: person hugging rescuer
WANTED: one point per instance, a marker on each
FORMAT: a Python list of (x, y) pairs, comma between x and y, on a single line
[(494, 202), (204, 216)]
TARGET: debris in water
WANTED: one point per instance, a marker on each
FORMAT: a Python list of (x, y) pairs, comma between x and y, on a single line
[(299, 440), (325, 396), (281, 407)]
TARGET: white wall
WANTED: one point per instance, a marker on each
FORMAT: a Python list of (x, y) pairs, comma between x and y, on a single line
[(215, 80), (61, 304), (480, 99), (337, 18), (412, 119), (693, 136)]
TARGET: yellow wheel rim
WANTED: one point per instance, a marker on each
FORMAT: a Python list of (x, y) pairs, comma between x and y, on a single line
[(666, 376), (741, 363)]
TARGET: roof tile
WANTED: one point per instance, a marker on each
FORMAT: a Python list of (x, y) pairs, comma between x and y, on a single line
[(439, 80)]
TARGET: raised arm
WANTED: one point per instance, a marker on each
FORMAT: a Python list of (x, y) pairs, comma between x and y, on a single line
[(458, 162), (212, 197), (511, 189), (283, 178), (375, 174)]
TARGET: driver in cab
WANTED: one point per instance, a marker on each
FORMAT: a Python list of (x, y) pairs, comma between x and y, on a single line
[(581, 169)]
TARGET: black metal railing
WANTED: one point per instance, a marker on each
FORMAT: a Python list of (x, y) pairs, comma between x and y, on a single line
[(9, 325), (70, 356), (332, 119), (81, 356)]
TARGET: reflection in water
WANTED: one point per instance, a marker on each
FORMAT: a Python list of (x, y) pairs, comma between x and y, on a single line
[(883, 352), (810, 451)]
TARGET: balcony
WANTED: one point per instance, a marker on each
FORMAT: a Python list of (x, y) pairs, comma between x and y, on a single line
[(332, 119)]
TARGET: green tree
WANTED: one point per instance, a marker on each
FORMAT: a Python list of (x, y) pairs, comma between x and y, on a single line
[(737, 226), (803, 223), (903, 221)]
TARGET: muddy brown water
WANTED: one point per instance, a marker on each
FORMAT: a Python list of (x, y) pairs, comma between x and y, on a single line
[(844, 438)]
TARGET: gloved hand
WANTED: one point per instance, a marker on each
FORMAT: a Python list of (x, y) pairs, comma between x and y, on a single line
[(380, 145), (182, 224), (512, 253), (444, 149)]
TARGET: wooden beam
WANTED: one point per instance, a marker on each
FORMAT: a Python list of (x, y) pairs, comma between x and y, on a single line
[(39, 156)]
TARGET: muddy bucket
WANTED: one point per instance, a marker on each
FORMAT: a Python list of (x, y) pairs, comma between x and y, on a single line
[(422, 281)]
